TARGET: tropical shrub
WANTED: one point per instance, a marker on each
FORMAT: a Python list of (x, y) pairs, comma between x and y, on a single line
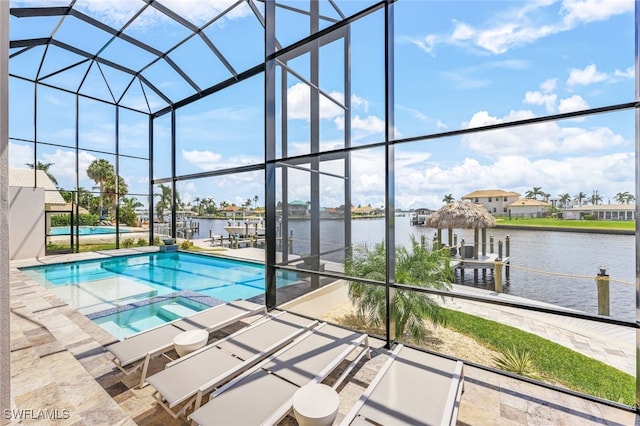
[(416, 266), (186, 245), (127, 242), (142, 242), (519, 361), (84, 219)]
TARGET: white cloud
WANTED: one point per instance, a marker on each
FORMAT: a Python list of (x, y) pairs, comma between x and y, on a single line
[(298, 102), (578, 11), (19, 155), (538, 98), (549, 85), (574, 103), (424, 185), (208, 160), (588, 75), (536, 139), (118, 12), (628, 73), (362, 127), (525, 24)]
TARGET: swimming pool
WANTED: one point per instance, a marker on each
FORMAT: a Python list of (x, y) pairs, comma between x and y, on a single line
[(98, 288), (88, 230)]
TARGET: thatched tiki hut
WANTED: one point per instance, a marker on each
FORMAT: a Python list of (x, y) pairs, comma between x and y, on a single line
[(461, 215)]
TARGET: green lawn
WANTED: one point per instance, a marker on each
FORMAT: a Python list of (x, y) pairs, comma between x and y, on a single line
[(555, 363), (561, 223)]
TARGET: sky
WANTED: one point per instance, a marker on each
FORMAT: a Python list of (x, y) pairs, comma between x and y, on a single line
[(458, 65)]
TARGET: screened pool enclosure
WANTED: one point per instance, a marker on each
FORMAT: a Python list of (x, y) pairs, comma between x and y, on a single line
[(324, 124)]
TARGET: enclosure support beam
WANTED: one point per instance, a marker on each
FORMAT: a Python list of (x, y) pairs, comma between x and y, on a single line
[(5, 327), (390, 195)]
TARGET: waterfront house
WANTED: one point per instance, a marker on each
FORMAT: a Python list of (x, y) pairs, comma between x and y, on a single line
[(528, 207), (363, 211), (230, 211), (601, 212), (298, 208), (495, 200)]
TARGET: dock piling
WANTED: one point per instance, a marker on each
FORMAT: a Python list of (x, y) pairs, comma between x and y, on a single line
[(497, 276), (602, 280)]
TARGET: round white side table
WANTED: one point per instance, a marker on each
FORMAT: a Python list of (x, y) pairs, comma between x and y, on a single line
[(189, 341), (315, 405)]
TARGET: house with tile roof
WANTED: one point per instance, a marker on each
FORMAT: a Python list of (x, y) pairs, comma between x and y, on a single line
[(496, 201), (528, 207)]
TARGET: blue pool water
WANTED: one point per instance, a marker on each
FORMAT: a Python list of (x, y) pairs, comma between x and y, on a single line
[(148, 315), (87, 230), (98, 288)]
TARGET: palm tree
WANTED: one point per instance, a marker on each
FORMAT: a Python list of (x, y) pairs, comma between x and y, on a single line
[(110, 189), (624, 197), (448, 199), (595, 197), (45, 168), (127, 211), (198, 205), (165, 202), (581, 196), (100, 171), (211, 205), (416, 266), (533, 193), (564, 199), (255, 201)]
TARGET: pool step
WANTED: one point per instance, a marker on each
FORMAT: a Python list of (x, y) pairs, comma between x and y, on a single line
[(173, 311), (114, 329)]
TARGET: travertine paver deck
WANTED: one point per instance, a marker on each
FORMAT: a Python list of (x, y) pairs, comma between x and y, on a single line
[(58, 363)]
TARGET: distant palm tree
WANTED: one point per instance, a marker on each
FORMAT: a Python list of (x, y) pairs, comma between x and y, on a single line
[(581, 196), (165, 201), (624, 197), (45, 168), (100, 171), (255, 201), (596, 198), (564, 199), (533, 193), (448, 199), (110, 189), (198, 205)]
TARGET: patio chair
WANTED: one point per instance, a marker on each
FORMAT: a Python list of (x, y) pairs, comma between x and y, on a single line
[(185, 381), (269, 387), (136, 351), (412, 388)]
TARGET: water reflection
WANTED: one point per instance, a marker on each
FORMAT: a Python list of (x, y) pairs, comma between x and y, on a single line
[(552, 267)]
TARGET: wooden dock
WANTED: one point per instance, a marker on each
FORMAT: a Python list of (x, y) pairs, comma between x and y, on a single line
[(482, 263)]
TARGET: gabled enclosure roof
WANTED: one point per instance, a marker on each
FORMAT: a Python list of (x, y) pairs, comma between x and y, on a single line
[(138, 54), (147, 54)]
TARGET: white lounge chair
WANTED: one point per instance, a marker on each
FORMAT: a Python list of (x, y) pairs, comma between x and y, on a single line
[(263, 395), (136, 351), (184, 381), (412, 388)]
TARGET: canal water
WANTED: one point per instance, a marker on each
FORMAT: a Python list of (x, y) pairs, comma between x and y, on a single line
[(552, 267)]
